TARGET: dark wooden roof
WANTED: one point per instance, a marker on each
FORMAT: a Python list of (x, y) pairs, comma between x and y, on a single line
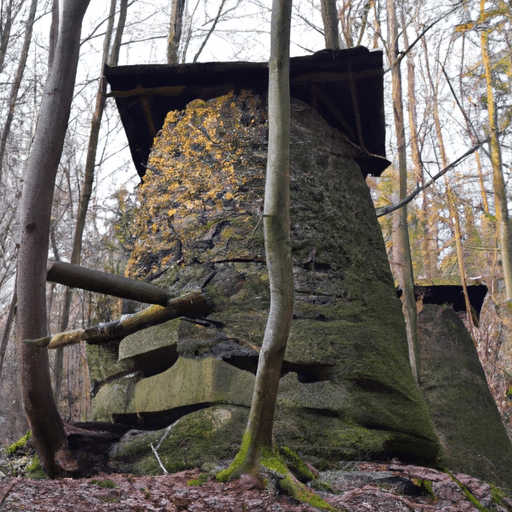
[(345, 87)]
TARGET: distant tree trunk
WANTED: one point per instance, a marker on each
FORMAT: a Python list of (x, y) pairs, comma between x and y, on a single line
[(500, 196), (175, 29), (401, 246), (43, 417), (330, 22), (13, 98), (121, 22), (7, 329), (6, 19), (88, 180)]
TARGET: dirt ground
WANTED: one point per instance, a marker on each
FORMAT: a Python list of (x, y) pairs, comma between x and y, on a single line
[(366, 487)]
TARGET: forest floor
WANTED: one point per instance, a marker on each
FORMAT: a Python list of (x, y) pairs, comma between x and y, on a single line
[(368, 487)]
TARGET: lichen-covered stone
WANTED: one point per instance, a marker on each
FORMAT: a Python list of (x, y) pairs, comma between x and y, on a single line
[(348, 390), (464, 412)]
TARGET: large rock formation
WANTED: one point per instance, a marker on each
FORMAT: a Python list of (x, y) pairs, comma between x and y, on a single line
[(465, 414), (347, 390)]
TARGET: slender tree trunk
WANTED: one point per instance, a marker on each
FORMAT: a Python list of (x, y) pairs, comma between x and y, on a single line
[(88, 180), (175, 30), (43, 417), (500, 197), (121, 22), (22, 63), (330, 22), (401, 246), (5, 31), (258, 435)]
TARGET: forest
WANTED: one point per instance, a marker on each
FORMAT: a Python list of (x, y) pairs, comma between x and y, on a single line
[(443, 203)]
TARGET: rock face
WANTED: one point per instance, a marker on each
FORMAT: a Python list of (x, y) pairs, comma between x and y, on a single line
[(347, 391), (464, 412)]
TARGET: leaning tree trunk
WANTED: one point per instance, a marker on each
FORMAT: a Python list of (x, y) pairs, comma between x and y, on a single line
[(43, 417)]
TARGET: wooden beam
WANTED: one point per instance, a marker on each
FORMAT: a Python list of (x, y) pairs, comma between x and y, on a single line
[(76, 276)]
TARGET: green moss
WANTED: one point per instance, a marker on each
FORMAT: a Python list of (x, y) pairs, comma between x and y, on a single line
[(197, 438), (19, 444), (296, 465), (236, 468), (34, 469), (200, 480)]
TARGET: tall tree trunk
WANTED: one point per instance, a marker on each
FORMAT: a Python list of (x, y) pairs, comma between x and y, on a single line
[(43, 417), (88, 180), (175, 29), (22, 63), (330, 22), (401, 245), (258, 435), (500, 197)]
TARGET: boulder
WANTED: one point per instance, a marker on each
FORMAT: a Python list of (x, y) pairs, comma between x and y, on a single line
[(464, 412)]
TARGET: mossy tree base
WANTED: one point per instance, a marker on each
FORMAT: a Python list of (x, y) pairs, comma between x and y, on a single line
[(275, 472)]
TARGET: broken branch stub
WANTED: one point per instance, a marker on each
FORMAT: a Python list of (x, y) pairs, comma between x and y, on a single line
[(195, 304)]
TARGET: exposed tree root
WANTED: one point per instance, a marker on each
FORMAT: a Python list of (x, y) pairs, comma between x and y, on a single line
[(277, 475)]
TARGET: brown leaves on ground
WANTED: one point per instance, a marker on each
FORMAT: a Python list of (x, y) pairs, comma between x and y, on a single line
[(372, 487)]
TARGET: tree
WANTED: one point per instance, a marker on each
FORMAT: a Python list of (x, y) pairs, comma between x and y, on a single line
[(89, 172), (401, 246), (258, 443), (45, 422), (175, 30), (330, 21), (500, 196)]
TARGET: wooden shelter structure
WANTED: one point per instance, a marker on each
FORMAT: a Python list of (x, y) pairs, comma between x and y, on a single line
[(344, 86)]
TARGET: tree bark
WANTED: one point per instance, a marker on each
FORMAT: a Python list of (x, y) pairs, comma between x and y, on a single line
[(175, 29), (401, 246), (191, 305), (330, 21), (258, 438), (76, 276), (43, 417)]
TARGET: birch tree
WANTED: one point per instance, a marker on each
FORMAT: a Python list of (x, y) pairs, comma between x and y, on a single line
[(44, 420)]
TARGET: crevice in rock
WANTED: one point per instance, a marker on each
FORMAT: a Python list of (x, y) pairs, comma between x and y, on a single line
[(307, 374), (159, 419)]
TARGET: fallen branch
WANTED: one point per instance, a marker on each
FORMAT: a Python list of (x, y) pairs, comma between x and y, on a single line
[(76, 276), (195, 304)]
